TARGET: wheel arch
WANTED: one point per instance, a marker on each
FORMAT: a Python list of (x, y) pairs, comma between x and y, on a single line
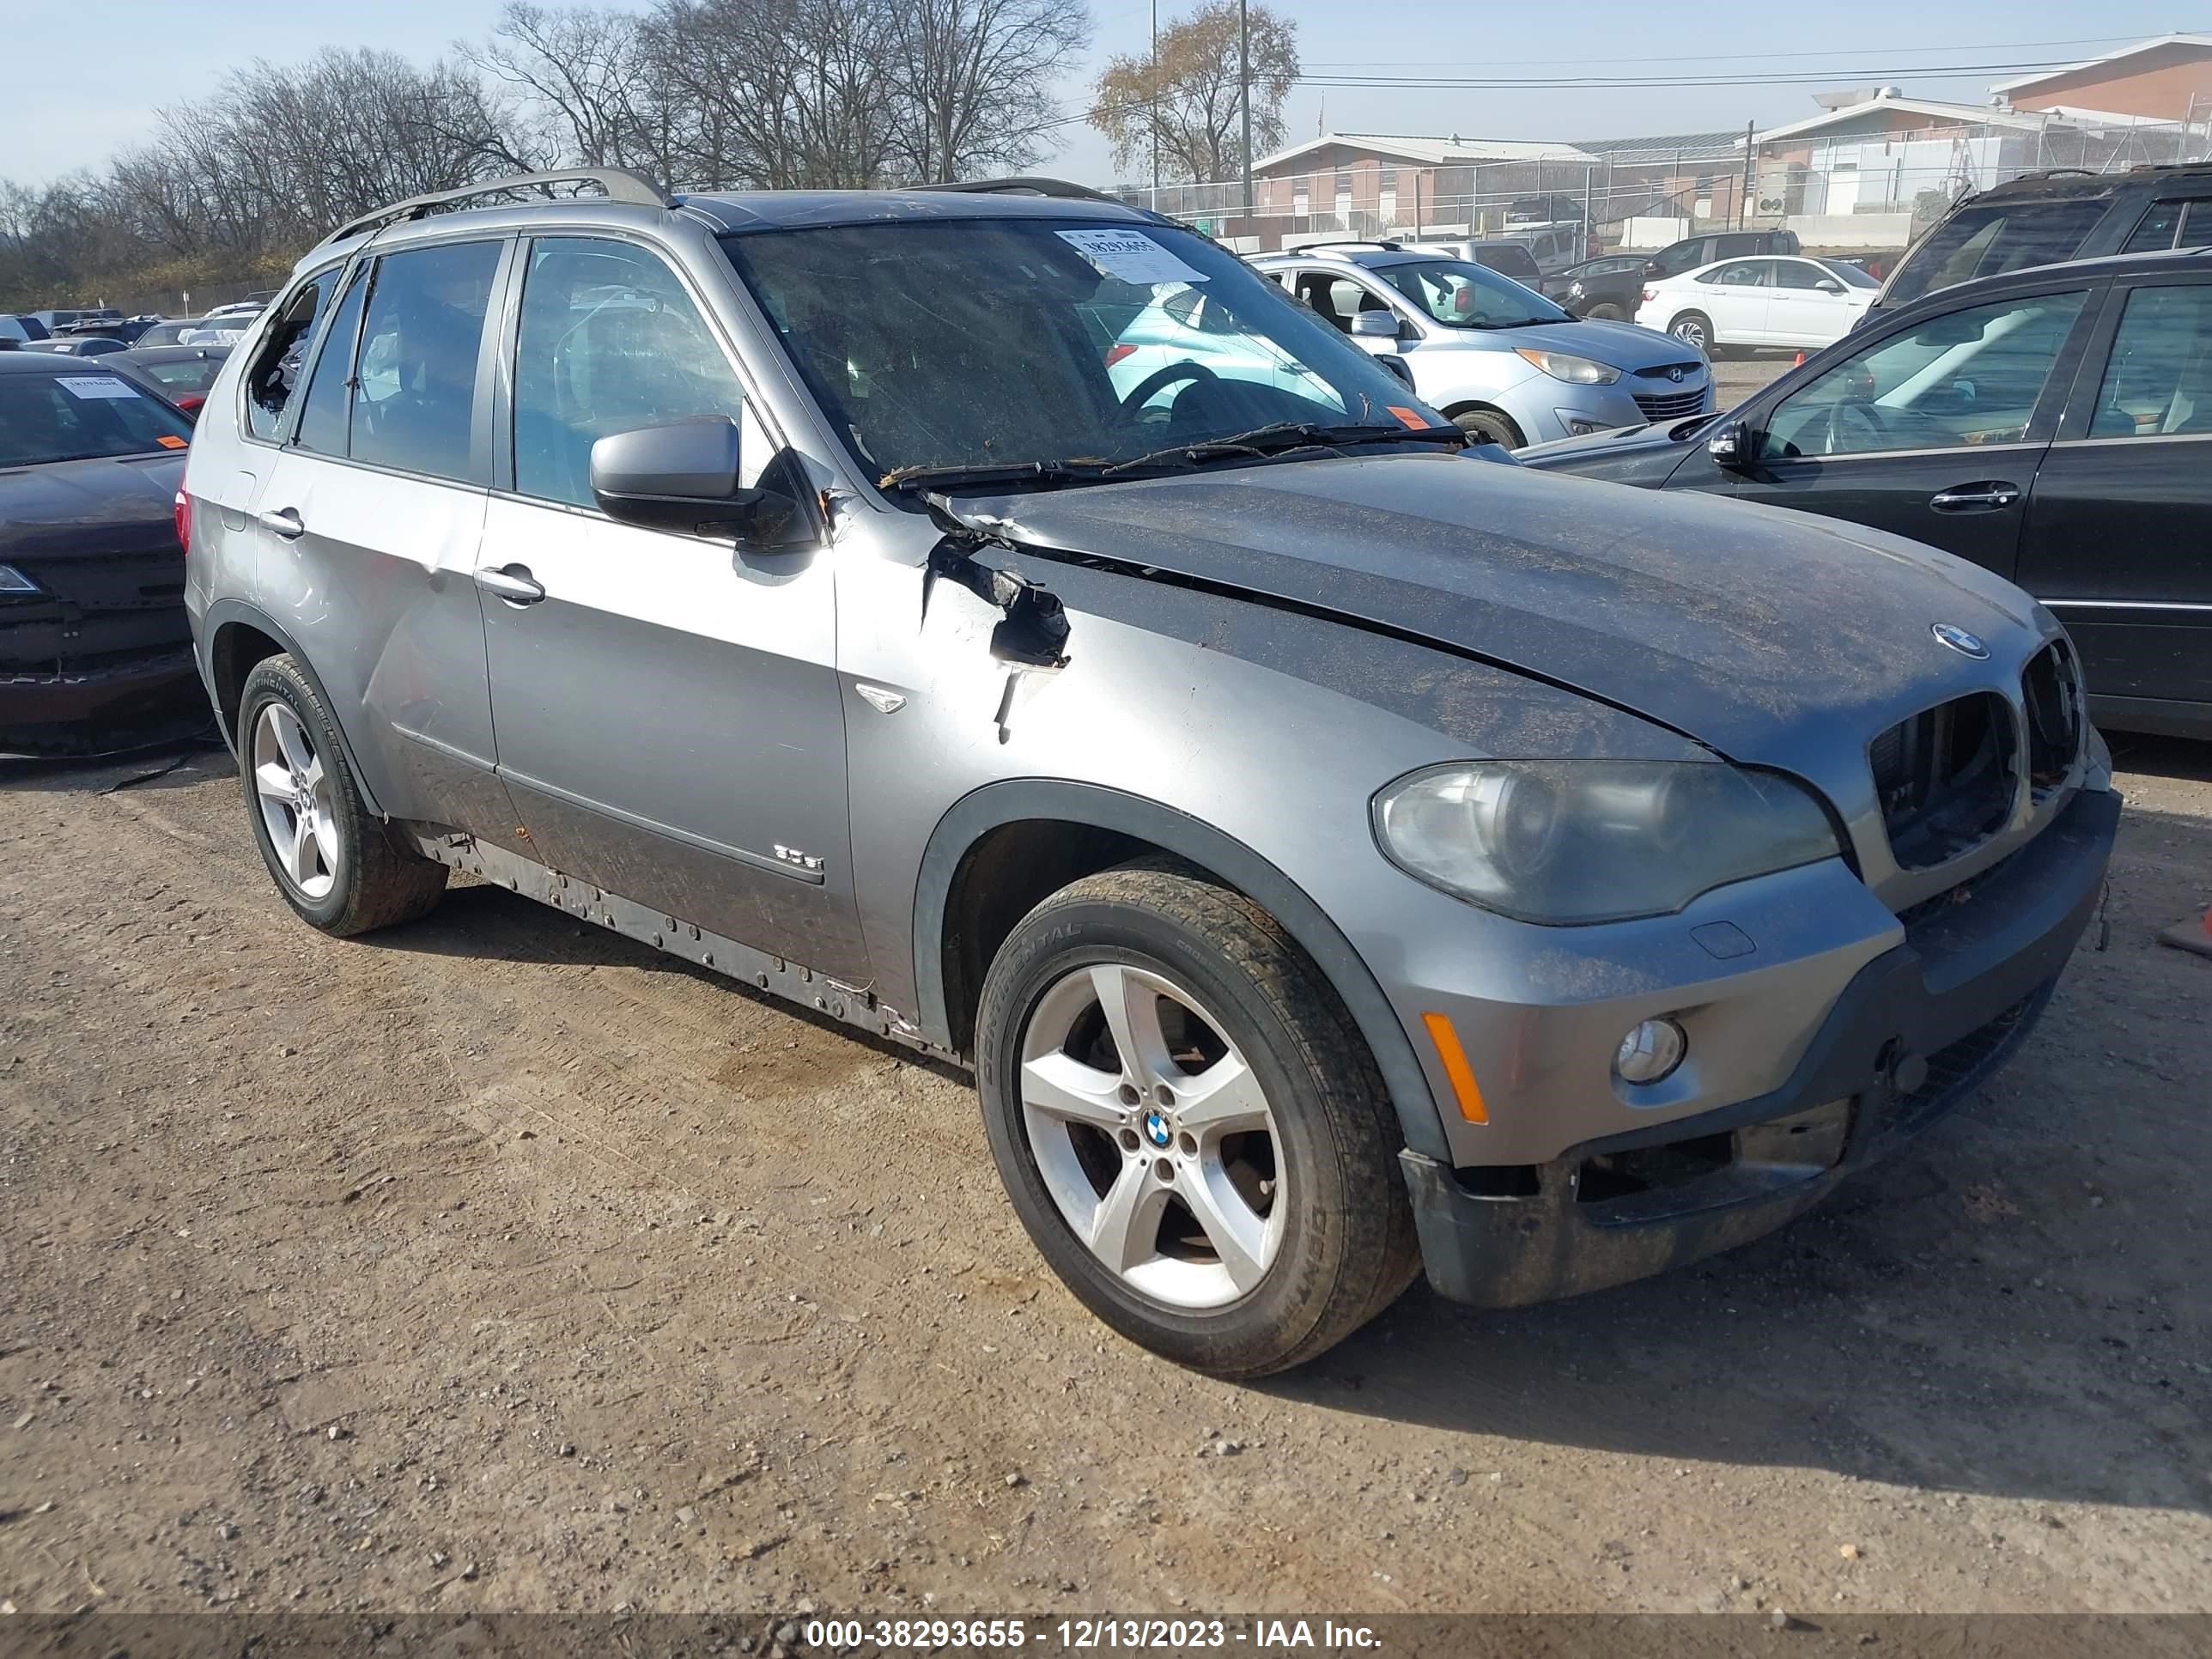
[(1055, 832), (237, 635)]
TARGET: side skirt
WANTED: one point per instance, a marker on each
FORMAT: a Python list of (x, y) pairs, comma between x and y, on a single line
[(856, 1006)]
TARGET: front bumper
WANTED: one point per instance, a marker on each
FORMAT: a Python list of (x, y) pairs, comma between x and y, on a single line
[(70, 710), (1913, 1034)]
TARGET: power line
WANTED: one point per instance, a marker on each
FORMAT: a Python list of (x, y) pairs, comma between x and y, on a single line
[(1700, 57), (1592, 82)]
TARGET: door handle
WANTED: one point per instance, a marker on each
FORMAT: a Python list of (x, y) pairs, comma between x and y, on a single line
[(513, 583), (284, 521), (1968, 496)]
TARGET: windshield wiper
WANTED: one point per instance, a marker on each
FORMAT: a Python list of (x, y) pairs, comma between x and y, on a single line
[(1001, 472), (1283, 437)]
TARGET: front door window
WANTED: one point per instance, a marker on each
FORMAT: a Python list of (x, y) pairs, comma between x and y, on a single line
[(1970, 377)]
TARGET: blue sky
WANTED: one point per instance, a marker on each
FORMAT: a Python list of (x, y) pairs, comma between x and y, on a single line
[(125, 59)]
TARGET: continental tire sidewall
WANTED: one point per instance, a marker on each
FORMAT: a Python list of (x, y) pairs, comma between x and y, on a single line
[(1246, 1335)]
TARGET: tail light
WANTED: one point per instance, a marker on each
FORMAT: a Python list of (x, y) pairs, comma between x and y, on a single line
[(1650, 295), (191, 403), (181, 511), (1115, 353)]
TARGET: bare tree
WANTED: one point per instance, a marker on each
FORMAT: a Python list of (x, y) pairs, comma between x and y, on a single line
[(1188, 94), (975, 81), (777, 94), (584, 76)]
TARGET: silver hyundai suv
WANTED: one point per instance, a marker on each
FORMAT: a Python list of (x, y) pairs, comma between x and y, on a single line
[(1334, 856)]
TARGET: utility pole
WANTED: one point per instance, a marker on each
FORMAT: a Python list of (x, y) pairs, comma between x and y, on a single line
[(1244, 84), (1750, 156), (1154, 111)]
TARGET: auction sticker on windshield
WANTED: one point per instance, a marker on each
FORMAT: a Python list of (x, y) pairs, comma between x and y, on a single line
[(1130, 255), (96, 385)]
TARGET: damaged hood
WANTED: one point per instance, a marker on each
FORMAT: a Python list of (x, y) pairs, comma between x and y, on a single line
[(1753, 630)]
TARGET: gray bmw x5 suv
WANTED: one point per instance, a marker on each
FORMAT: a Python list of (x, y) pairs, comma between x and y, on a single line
[(1335, 855)]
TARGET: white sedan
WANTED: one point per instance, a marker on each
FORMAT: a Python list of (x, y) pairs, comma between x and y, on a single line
[(1773, 300)]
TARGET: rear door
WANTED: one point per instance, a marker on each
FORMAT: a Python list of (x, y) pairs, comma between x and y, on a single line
[(370, 516), (2119, 529), (1809, 306), (1933, 431)]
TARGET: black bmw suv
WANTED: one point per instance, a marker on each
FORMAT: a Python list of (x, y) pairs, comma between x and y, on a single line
[(2047, 217)]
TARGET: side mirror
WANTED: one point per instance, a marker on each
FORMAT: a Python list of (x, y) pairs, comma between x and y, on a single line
[(682, 477), (1732, 445), (1375, 324), (1829, 285), (1397, 366)]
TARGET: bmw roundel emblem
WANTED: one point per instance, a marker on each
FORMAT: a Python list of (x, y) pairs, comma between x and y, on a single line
[(1156, 1128), (1965, 644)]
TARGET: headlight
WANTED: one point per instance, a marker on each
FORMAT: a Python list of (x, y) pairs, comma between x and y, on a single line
[(1565, 365), (1574, 290), (1595, 841)]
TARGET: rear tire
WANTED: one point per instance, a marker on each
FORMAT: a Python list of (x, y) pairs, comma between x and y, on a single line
[(1232, 1198), (336, 863), (1488, 426)]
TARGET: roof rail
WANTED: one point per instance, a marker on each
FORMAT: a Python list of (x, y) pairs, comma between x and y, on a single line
[(1026, 186), (619, 184), (1353, 241)]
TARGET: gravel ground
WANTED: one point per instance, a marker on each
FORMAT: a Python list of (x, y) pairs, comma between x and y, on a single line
[(494, 1263)]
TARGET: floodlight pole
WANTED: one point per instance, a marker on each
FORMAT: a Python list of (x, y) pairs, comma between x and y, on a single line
[(1244, 84)]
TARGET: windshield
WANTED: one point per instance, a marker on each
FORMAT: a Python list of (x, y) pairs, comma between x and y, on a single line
[(1851, 276), (1008, 343), (1986, 240), (82, 415), (1467, 295)]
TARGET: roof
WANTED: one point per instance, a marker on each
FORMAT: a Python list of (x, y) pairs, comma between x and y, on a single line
[(1665, 146), (1435, 152), (809, 210), (2159, 44), (1972, 114), (173, 354), (49, 362)]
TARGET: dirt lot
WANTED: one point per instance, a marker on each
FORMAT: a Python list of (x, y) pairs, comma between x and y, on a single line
[(497, 1263)]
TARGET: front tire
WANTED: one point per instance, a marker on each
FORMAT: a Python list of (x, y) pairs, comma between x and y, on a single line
[(1695, 330), (332, 859), (1488, 426), (1189, 1126), (1605, 312)]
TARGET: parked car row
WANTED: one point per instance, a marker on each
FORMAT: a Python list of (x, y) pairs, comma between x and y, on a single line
[(2053, 425), (1114, 670)]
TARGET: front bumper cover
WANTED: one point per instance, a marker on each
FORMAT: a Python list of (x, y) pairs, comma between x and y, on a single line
[(1911, 1034), (71, 711)]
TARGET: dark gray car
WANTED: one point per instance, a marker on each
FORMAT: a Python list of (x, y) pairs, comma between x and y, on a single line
[(1333, 854)]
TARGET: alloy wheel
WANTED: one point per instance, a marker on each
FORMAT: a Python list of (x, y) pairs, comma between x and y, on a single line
[(1153, 1136), (292, 788)]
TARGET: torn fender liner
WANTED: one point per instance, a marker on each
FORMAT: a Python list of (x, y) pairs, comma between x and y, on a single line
[(1737, 626)]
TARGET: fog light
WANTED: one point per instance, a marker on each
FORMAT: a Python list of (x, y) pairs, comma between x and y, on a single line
[(1650, 1052)]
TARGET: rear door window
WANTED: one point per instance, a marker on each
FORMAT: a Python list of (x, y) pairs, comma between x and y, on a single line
[(1999, 236), (2158, 382), (414, 399), (322, 425)]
